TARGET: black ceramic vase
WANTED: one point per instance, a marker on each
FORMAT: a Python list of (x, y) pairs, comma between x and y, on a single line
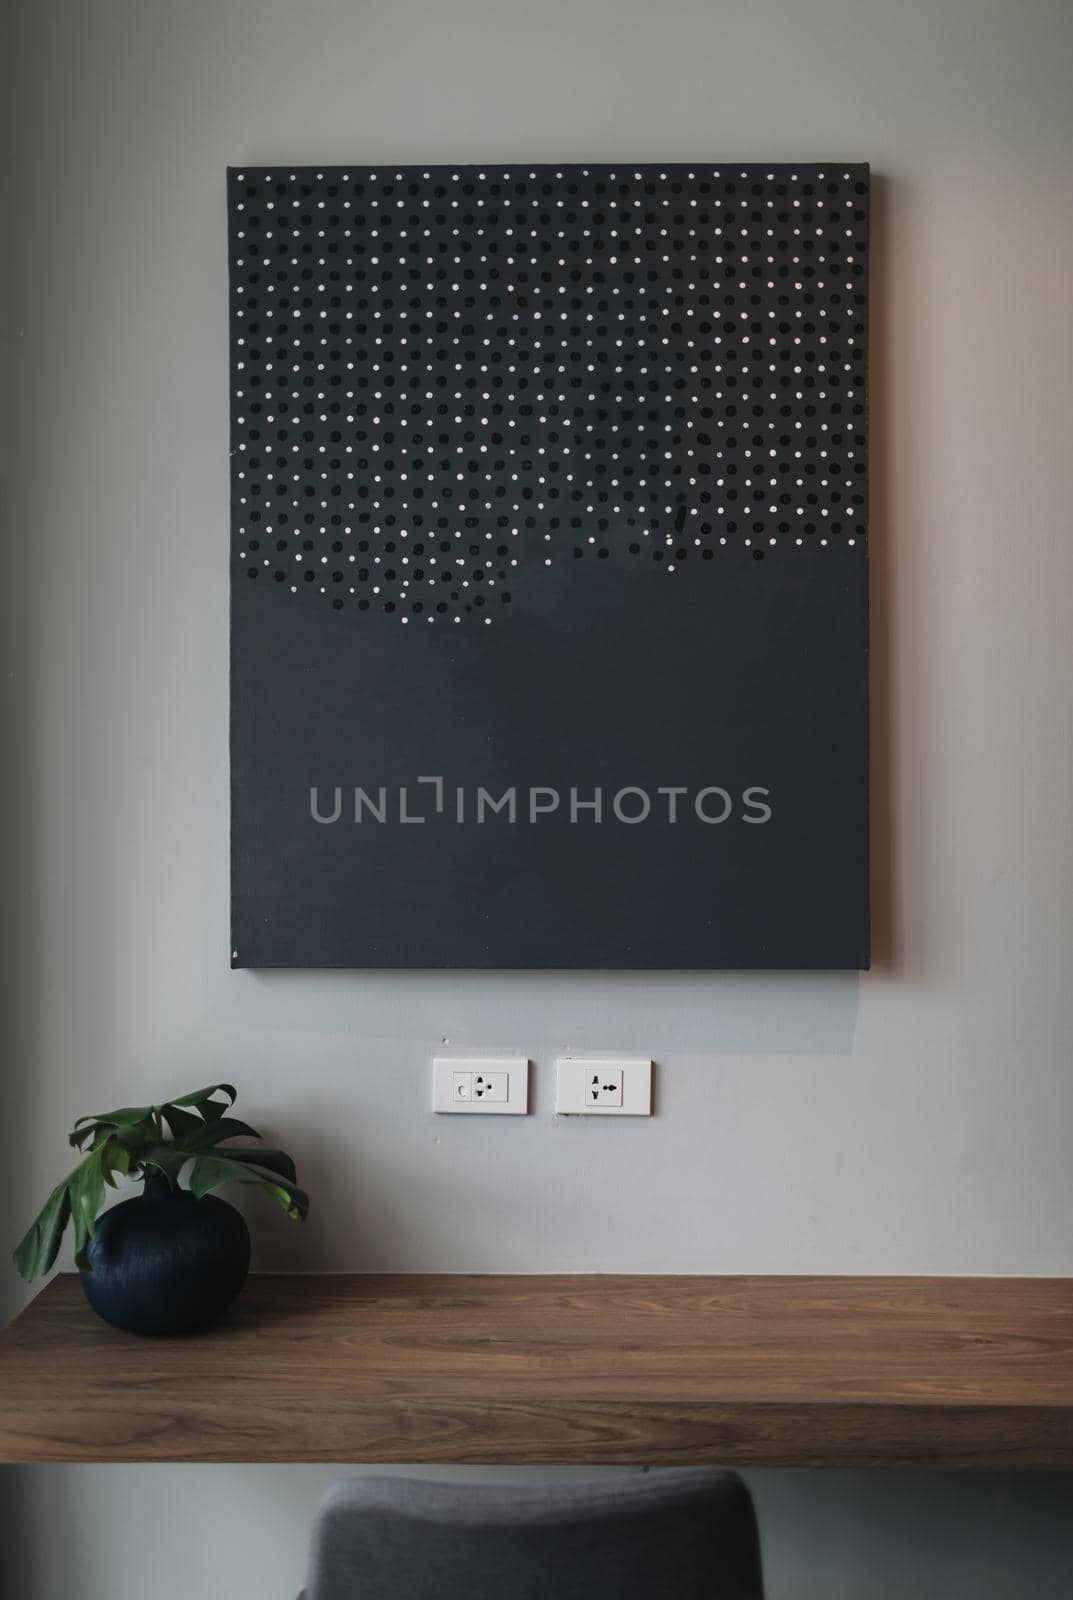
[(166, 1262)]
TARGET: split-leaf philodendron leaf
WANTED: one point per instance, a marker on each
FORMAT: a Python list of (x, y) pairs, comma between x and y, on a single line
[(162, 1141)]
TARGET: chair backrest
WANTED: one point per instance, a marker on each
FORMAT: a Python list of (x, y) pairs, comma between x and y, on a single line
[(677, 1534)]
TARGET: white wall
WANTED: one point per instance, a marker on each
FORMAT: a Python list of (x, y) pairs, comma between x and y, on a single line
[(917, 1119)]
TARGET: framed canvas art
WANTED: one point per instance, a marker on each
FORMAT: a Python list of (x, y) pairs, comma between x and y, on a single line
[(549, 566)]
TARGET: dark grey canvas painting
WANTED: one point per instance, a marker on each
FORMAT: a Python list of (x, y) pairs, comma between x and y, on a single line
[(549, 566)]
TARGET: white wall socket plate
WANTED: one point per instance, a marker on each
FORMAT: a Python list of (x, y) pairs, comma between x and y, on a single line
[(602, 1086), (481, 1085)]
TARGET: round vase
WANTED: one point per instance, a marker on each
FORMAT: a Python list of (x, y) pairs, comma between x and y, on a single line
[(166, 1262)]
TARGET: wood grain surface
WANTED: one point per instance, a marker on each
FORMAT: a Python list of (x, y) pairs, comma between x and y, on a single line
[(839, 1372)]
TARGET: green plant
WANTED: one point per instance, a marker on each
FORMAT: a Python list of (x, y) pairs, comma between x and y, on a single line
[(134, 1142)]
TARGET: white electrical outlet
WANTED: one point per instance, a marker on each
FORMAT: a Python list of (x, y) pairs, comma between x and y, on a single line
[(481, 1085), (602, 1088)]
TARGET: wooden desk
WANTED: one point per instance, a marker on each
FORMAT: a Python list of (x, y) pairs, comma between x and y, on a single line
[(837, 1372)]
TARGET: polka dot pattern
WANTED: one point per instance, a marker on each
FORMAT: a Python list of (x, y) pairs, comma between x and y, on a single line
[(447, 379)]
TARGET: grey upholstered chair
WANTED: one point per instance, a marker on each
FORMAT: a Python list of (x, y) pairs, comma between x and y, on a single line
[(679, 1534)]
